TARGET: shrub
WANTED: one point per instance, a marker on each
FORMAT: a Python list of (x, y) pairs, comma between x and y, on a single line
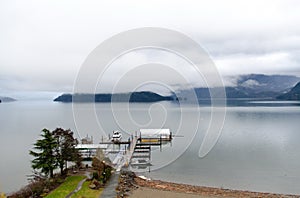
[(95, 175)]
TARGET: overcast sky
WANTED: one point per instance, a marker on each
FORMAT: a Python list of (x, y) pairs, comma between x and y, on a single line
[(44, 43)]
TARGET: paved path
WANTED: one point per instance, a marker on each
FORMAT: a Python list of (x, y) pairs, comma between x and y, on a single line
[(110, 188), (121, 160), (79, 185)]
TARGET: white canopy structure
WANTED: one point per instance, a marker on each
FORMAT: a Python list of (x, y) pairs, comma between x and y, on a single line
[(156, 133), (91, 146)]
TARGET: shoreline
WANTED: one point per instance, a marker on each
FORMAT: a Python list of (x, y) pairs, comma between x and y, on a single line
[(202, 190), (135, 186)]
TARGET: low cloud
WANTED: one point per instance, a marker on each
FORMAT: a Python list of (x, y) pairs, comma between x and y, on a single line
[(273, 63), (44, 43)]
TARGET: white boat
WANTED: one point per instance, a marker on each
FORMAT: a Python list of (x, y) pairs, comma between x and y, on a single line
[(117, 136)]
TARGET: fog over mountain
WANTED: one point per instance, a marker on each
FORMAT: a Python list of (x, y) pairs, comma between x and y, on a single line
[(260, 82), (255, 86)]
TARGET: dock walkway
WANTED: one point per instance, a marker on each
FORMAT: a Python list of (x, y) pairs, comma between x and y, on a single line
[(125, 160)]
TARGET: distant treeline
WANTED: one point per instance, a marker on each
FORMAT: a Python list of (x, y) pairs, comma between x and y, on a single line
[(143, 96)]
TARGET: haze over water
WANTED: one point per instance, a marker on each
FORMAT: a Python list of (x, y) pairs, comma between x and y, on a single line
[(258, 149)]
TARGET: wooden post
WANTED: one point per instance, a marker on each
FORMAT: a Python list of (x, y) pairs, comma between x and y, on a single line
[(140, 136), (160, 142)]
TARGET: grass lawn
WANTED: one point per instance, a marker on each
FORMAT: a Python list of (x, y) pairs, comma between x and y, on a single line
[(86, 192), (65, 188)]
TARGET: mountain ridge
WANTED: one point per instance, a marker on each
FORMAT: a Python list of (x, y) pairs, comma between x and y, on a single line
[(251, 86)]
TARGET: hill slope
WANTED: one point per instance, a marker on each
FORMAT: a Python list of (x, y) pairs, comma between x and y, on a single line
[(293, 94)]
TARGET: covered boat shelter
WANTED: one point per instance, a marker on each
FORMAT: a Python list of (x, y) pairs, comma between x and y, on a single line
[(158, 134)]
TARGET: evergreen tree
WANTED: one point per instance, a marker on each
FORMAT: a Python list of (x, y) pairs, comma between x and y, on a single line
[(45, 160)]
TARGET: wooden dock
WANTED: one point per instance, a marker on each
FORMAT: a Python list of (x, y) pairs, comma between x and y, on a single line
[(141, 157), (136, 154)]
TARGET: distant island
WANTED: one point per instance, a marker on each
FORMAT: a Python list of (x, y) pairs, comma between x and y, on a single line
[(293, 94), (6, 99), (143, 96)]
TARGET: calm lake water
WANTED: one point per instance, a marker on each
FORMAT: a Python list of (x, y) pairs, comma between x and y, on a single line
[(258, 148)]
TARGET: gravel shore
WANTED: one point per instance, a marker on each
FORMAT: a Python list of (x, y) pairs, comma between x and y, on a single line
[(150, 193), (156, 188), (133, 186)]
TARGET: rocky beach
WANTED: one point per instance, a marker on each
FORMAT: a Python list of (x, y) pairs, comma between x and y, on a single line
[(133, 186)]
